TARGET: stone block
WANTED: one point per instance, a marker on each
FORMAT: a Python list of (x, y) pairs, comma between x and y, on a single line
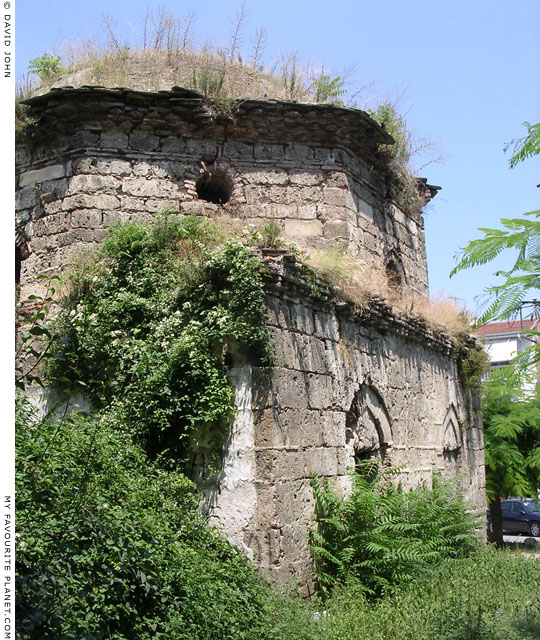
[(305, 195), (294, 502), (50, 225), (268, 151), (44, 244), (26, 198), (290, 464), (275, 194), (92, 184), (237, 151), (278, 312), (87, 219), (301, 318), (320, 391), (142, 169), (306, 178), (84, 139), (142, 141), (303, 228), (338, 179), (289, 388), (333, 428), (113, 140), (112, 217), (266, 545), (269, 431), (144, 187), (322, 461), (35, 176), (364, 209), (276, 211), (131, 204), (337, 197), (22, 217), (298, 152), (269, 177), (307, 212), (323, 155), (325, 325), (84, 165), (336, 229), (295, 543), (199, 147), (84, 201), (265, 465), (266, 507), (301, 427), (156, 205), (114, 167), (254, 194), (173, 145)]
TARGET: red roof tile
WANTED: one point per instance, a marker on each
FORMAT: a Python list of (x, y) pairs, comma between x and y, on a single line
[(513, 326)]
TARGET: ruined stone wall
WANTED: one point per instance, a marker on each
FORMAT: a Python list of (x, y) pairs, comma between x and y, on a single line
[(347, 386), (99, 158)]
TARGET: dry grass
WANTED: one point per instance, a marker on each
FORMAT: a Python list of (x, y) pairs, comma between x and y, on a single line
[(360, 283), (167, 53)]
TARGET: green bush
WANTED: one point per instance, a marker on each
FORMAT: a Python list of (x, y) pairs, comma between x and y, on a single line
[(147, 325), (384, 537), (491, 595), (111, 545), (47, 66)]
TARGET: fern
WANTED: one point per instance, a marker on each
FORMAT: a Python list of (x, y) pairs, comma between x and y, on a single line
[(383, 537)]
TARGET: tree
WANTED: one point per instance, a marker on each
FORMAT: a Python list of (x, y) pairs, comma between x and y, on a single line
[(511, 417), (512, 441), (521, 234)]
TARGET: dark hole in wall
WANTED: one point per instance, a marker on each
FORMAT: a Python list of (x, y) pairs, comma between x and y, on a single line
[(452, 455), (215, 185), (393, 275), (367, 463)]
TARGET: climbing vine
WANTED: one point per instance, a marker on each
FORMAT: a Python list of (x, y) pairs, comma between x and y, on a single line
[(148, 322)]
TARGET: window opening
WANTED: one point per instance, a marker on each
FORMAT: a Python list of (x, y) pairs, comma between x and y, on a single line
[(214, 185)]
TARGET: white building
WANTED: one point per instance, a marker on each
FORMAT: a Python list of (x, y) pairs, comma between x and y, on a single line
[(504, 340)]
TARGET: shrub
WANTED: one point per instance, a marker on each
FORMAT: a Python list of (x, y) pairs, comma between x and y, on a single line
[(147, 326), (384, 537), (111, 545), (47, 67)]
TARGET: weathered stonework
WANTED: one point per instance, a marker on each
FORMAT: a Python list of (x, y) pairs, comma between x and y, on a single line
[(347, 384), (101, 155)]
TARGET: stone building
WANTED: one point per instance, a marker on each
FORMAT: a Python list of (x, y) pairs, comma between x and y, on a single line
[(349, 383)]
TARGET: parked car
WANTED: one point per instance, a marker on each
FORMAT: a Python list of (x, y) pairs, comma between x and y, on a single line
[(521, 516)]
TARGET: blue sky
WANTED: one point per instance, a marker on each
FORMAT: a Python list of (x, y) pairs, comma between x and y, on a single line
[(468, 70)]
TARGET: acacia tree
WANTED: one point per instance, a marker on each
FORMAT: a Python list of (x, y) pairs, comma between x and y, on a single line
[(511, 416), (512, 442)]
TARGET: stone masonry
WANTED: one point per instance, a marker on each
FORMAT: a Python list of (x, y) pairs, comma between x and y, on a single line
[(348, 384)]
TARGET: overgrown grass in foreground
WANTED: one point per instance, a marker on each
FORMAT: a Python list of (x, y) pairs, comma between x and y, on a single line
[(492, 595)]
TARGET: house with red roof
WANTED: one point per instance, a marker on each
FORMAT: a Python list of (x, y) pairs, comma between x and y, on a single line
[(504, 340)]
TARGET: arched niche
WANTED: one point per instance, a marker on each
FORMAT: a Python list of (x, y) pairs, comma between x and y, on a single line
[(368, 428), (452, 440), (394, 271)]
